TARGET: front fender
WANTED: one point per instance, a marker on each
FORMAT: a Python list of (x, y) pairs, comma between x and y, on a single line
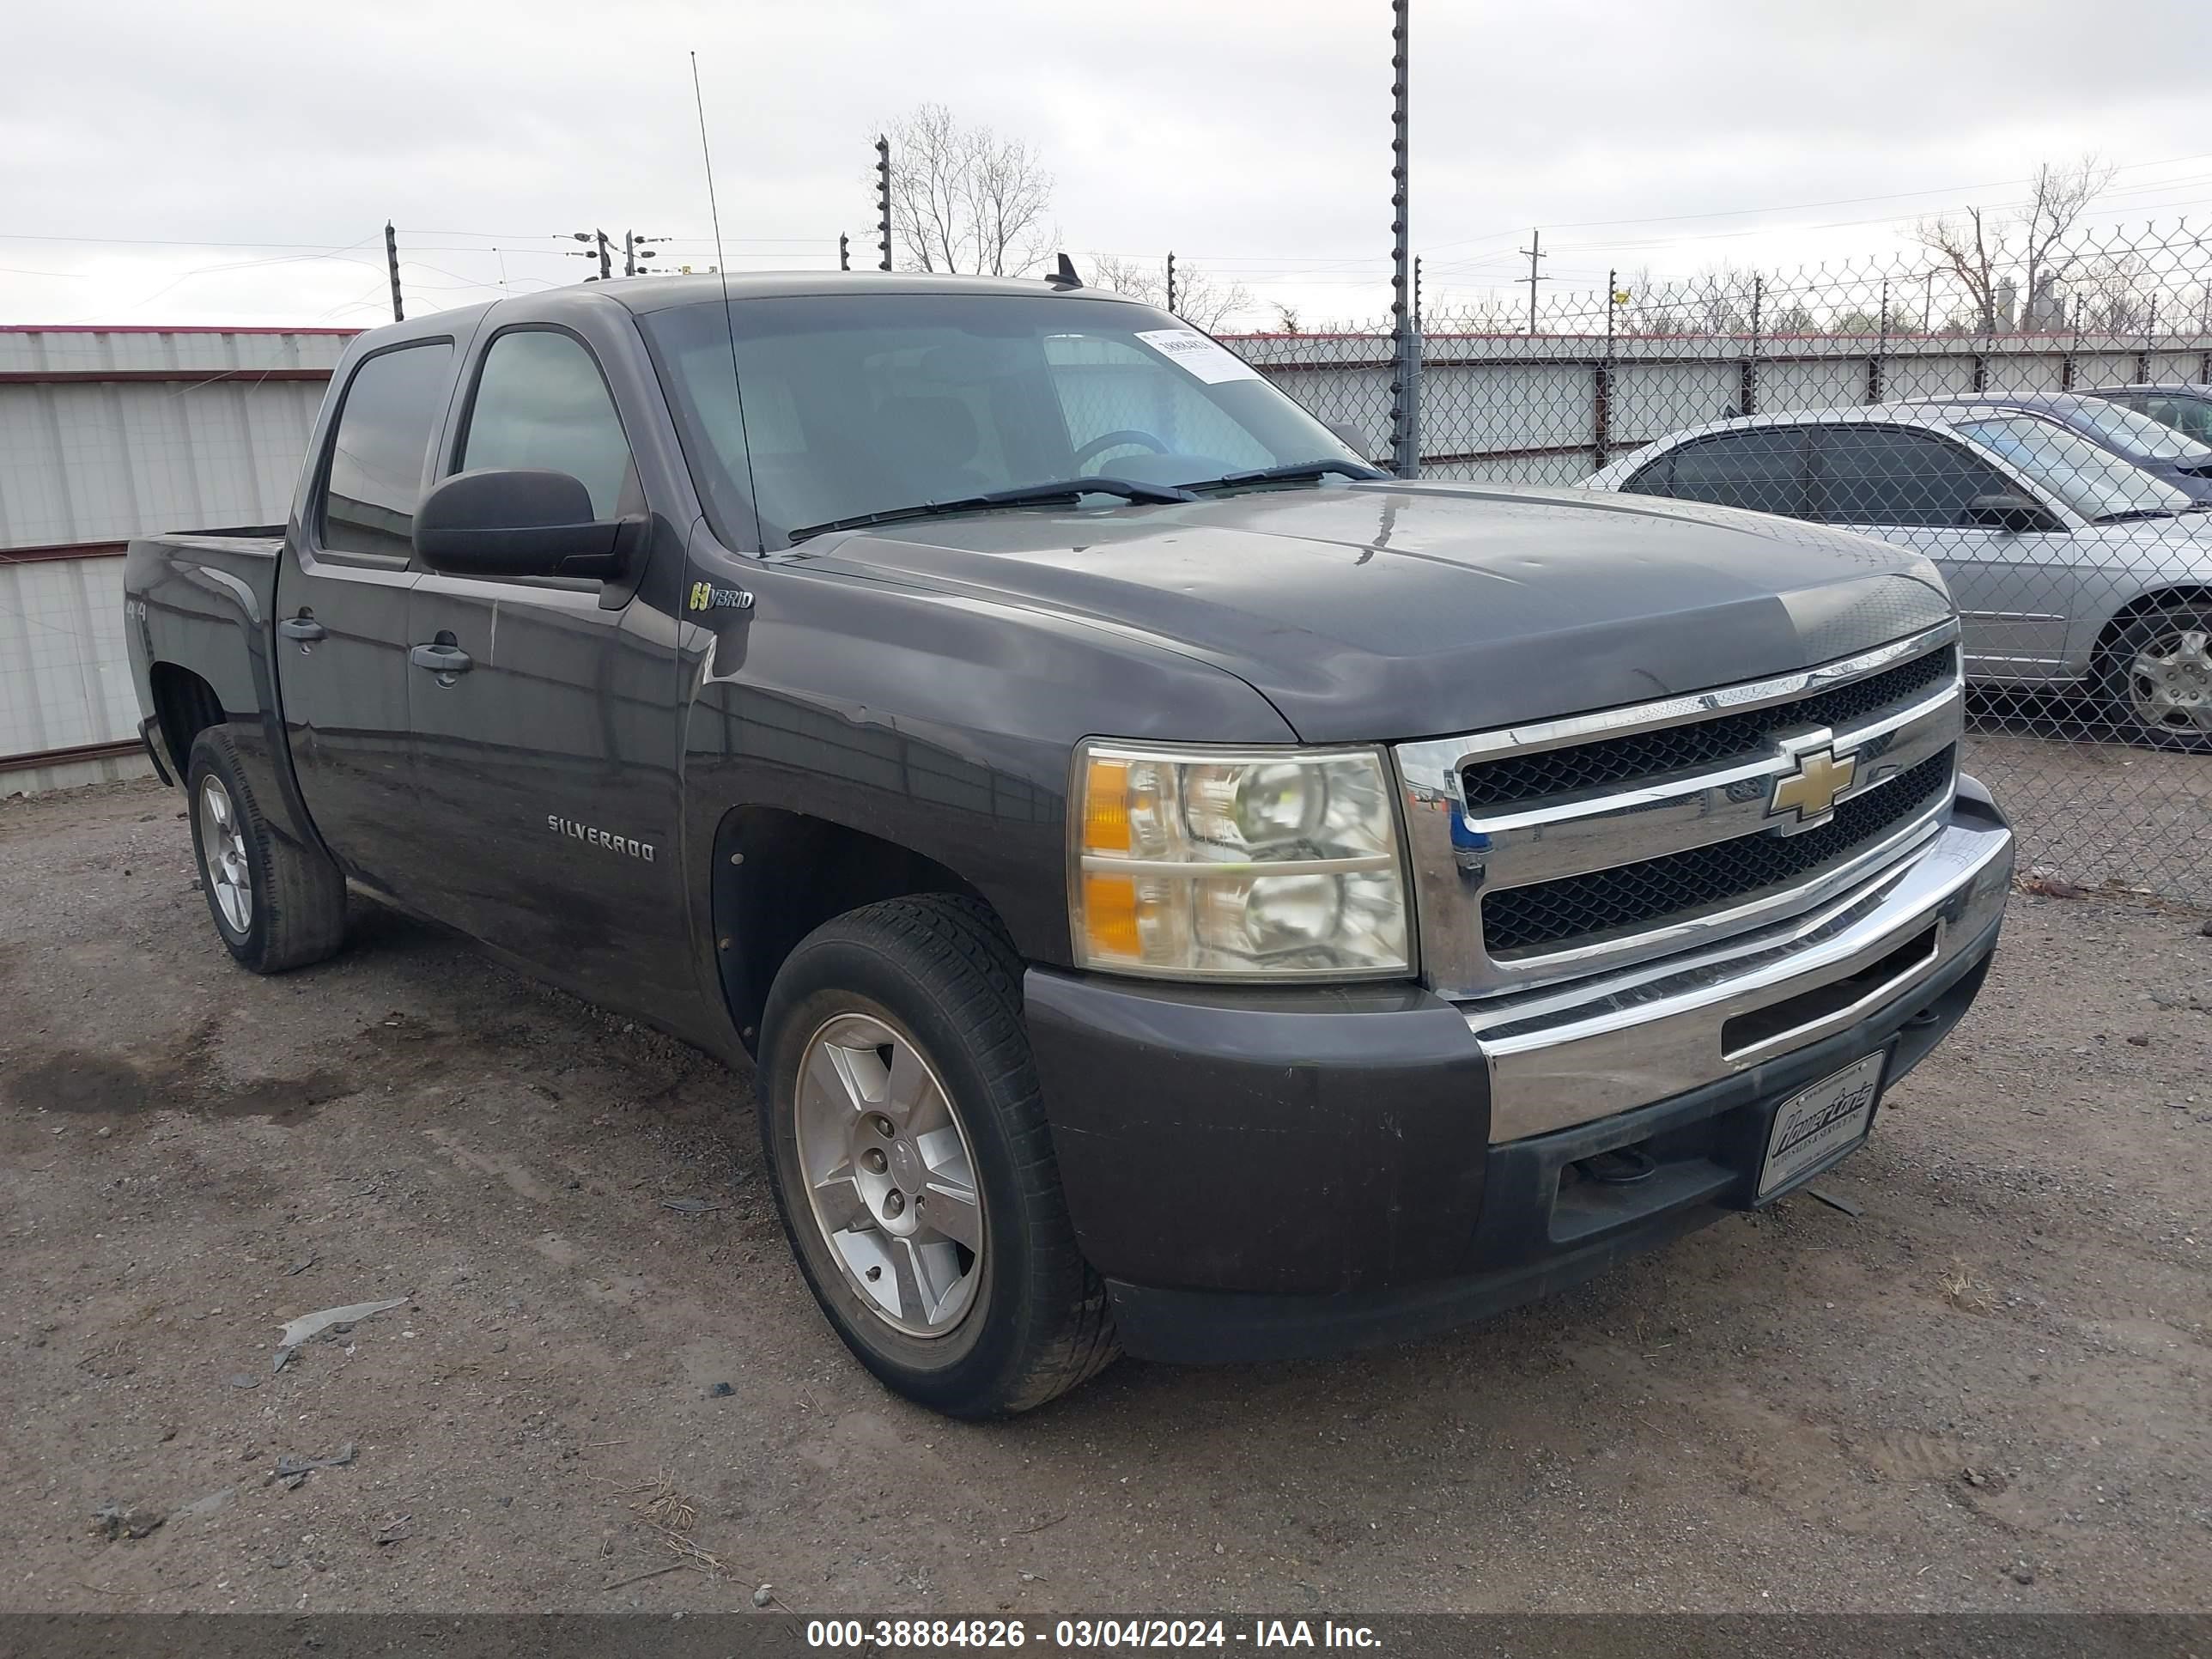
[(943, 724), (2119, 571)]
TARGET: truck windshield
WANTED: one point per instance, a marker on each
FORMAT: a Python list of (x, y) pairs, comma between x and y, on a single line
[(849, 404), (2093, 482)]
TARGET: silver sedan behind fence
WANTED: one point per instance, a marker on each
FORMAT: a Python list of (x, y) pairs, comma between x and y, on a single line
[(2047, 444)]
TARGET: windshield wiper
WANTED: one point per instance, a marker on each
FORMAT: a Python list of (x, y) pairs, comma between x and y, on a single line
[(1296, 472), (1062, 489), (2135, 512)]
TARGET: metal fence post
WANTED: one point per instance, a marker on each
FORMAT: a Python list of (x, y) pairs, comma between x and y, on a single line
[(883, 200), (1406, 372), (1747, 374), (1878, 366), (1601, 389), (392, 266)]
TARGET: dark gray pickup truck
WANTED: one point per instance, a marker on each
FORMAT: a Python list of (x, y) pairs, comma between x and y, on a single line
[(1182, 891)]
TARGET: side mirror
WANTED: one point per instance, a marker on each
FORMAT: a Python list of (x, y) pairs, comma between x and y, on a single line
[(518, 522), (2007, 512), (1353, 437)]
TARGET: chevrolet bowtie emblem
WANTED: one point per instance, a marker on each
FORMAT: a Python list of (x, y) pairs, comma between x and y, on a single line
[(1810, 792)]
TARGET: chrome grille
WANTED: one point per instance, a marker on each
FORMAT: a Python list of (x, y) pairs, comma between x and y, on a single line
[(1517, 921), (1718, 741), (1543, 853)]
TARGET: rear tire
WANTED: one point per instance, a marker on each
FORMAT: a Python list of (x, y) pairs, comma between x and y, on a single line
[(276, 904), (911, 1009), (2155, 678)]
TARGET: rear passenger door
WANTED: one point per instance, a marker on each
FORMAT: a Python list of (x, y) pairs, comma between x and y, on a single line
[(542, 711), (1914, 487), (342, 621)]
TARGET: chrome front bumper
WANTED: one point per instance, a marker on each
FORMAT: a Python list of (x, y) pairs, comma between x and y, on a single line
[(1571, 1053)]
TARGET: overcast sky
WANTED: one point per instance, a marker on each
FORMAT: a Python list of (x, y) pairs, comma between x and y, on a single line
[(213, 161)]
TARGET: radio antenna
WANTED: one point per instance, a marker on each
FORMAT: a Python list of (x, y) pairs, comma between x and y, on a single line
[(730, 322)]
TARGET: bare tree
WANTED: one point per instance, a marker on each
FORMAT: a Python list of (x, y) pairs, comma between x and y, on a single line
[(1286, 319), (1199, 299), (964, 199), (2109, 296), (1991, 253)]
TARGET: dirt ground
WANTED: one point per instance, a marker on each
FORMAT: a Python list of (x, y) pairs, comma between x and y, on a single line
[(1992, 1390)]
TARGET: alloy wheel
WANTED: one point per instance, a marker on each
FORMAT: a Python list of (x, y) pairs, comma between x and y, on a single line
[(890, 1178), (222, 855), (2170, 682)]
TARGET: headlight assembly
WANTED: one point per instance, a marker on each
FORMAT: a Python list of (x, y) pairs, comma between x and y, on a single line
[(1195, 863)]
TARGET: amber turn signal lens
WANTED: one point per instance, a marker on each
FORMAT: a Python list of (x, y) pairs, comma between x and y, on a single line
[(1106, 807), (1109, 918)]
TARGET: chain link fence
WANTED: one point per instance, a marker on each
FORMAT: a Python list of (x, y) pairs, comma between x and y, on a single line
[(2048, 443)]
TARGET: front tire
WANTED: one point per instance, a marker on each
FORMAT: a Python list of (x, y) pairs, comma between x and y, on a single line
[(2156, 679), (276, 904), (905, 1141)]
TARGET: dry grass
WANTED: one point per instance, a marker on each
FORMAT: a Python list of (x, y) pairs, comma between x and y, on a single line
[(1964, 1291), (670, 1515)]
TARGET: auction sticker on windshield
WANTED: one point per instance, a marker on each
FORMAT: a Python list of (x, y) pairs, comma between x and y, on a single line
[(1211, 364), (1814, 1124)]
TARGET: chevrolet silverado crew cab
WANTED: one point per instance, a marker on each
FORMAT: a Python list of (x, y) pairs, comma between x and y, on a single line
[(1179, 889)]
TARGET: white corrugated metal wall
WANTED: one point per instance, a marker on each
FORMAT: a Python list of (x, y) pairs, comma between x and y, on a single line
[(1516, 409), (104, 434)]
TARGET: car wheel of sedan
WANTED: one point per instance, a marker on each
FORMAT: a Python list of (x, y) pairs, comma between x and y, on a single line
[(907, 1144), (2157, 675), (276, 904)]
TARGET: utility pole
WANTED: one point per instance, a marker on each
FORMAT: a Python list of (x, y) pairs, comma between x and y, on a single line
[(1534, 251), (883, 199), (1406, 378), (391, 264), (1171, 287), (844, 252)]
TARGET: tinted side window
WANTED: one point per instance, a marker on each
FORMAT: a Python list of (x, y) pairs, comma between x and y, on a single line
[(1760, 469), (2183, 415), (540, 402), (383, 436), (1652, 479), (1881, 476)]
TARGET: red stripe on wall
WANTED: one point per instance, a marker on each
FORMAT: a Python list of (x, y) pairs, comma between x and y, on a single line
[(63, 550), (197, 376), (83, 751)]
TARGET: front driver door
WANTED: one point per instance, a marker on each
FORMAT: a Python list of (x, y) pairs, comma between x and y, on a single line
[(545, 736)]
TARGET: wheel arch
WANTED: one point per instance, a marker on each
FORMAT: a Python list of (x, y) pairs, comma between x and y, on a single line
[(779, 874), (2142, 604), (184, 705)]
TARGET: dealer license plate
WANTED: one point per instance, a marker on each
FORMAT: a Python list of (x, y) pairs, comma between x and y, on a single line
[(1814, 1124)]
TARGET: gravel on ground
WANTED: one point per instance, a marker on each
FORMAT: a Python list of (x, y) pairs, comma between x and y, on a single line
[(604, 1386)]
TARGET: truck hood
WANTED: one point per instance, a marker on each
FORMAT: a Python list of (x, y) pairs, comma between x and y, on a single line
[(1387, 612)]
